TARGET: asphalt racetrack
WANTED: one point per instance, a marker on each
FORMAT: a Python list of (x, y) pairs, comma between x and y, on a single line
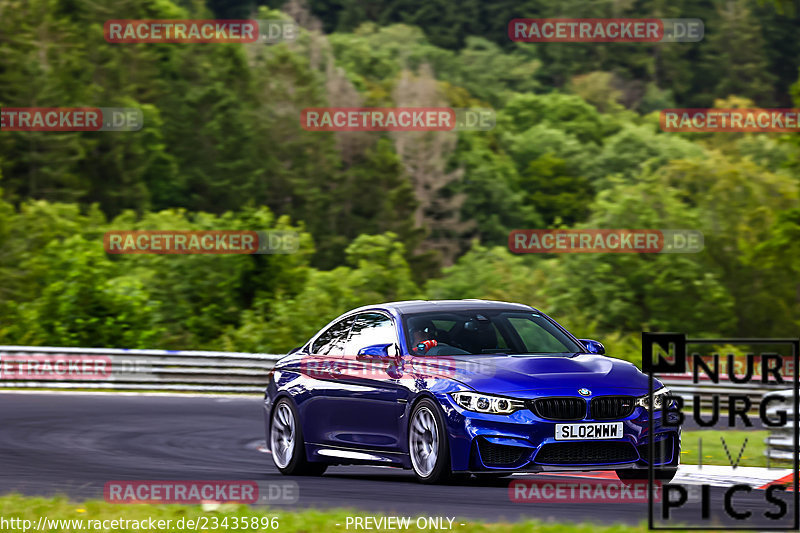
[(74, 443)]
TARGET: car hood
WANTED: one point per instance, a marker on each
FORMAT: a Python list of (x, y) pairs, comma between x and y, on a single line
[(533, 375)]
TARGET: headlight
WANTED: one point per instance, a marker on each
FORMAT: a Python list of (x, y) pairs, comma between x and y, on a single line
[(658, 399), (485, 403)]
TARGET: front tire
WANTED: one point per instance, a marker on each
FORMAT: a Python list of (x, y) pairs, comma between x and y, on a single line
[(428, 444), (286, 443)]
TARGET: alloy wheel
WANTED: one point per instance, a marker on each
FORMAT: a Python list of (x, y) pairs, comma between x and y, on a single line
[(424, 442), (282, 435)]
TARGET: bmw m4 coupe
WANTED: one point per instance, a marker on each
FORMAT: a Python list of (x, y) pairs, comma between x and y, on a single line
[(451, 389)]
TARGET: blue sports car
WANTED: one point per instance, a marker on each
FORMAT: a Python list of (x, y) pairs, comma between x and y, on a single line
[(451, 389)]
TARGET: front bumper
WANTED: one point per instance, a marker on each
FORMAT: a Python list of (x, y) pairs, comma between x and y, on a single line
[(524, 442)]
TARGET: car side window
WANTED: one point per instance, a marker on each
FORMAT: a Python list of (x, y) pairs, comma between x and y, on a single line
[(369, 329), (333, 339)]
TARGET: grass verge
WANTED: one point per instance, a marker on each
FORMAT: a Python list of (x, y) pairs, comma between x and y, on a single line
[(64, 510), (713, 449)]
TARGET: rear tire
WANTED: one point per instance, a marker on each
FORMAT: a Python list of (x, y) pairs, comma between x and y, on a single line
[(428, 446), (286, 443)]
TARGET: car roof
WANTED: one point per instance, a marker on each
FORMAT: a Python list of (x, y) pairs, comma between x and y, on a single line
[(421, 306)]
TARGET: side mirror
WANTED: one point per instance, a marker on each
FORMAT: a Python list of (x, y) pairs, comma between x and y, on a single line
[(593, 346), (377, 351)]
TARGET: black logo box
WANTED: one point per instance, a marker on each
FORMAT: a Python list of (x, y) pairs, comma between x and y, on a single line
[(679, 366)]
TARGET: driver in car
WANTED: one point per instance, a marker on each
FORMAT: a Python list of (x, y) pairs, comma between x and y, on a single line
[(423, 340)]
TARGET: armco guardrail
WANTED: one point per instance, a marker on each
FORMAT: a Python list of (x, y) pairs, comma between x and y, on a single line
[(705, 390), (780, 443), (235, 372), (168, 370), (160, 370)]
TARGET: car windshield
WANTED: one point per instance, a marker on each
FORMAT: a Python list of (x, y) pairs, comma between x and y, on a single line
[(485, 332)]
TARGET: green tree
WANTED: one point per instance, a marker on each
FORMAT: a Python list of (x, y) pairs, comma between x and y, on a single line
[(377, 271), (736, 204), (492, 274), (556, 191), (641, 292), (494, 194), (736, 58), (86, 302), (778, 257)]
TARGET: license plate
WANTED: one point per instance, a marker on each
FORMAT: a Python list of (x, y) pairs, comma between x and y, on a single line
[(589, 431)]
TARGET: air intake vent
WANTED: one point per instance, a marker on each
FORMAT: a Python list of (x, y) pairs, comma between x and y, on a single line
[(612, 407), (499, 454), (663, 448), (586, 453), (559, 408)]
